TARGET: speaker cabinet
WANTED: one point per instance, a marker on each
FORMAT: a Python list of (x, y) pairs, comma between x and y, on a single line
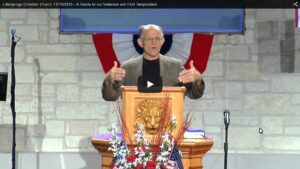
[(3, 86)]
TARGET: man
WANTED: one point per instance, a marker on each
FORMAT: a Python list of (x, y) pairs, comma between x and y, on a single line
[(152, 63)]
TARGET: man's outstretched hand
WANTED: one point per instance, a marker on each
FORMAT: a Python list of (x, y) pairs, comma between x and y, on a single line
[(190, 75), (116, 73)]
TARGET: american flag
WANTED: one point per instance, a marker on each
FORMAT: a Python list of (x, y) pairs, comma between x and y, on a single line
[(112, 47), (175, 159)]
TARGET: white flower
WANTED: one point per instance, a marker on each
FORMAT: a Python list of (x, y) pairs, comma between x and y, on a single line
[(165, 149)]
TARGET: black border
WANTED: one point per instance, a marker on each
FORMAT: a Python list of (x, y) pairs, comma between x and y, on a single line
[(149, 4)]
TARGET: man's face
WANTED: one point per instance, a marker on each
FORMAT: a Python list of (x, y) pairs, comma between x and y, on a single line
[(151, 43)]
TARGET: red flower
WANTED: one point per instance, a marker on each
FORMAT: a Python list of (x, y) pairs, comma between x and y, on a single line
[(150, 165), (144, 148), (139, 166), (131, 158)]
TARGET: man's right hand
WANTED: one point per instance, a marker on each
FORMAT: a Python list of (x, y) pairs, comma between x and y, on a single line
[(116, 73)]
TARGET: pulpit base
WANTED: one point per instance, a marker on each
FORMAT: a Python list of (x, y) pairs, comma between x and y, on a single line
[(193, 152)]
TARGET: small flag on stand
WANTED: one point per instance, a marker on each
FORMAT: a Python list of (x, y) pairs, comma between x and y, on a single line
[(175, 159)]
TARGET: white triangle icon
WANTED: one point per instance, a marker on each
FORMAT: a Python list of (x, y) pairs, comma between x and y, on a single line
[(149, 84)]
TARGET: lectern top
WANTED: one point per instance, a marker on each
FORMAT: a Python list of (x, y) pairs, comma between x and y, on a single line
[(164, 89)]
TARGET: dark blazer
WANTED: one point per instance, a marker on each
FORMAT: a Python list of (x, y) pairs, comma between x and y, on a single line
[(169, 71)]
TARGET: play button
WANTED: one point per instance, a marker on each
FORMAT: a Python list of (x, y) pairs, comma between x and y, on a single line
[(150, 84)]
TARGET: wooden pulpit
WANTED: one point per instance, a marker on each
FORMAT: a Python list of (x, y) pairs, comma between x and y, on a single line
[(153, 110)]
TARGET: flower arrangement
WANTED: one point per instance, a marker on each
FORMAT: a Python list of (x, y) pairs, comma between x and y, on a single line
[(140, 157), (163, 153)]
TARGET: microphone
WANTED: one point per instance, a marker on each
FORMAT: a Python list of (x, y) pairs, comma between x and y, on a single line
[(226, 121), (36, 62), (13, 35), (13, 31), (226, 117)]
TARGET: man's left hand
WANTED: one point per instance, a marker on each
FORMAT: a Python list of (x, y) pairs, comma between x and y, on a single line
[(190, 75)]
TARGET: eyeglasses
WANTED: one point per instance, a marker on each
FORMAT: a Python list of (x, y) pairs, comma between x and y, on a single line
[(157, 39)]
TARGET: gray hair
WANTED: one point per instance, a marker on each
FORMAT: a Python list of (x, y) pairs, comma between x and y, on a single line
[(143, 28)]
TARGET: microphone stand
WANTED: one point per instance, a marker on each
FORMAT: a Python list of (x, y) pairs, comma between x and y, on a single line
[(12, 91), (226, 121)]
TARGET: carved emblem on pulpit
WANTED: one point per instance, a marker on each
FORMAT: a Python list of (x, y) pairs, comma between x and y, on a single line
[(151, 113)]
